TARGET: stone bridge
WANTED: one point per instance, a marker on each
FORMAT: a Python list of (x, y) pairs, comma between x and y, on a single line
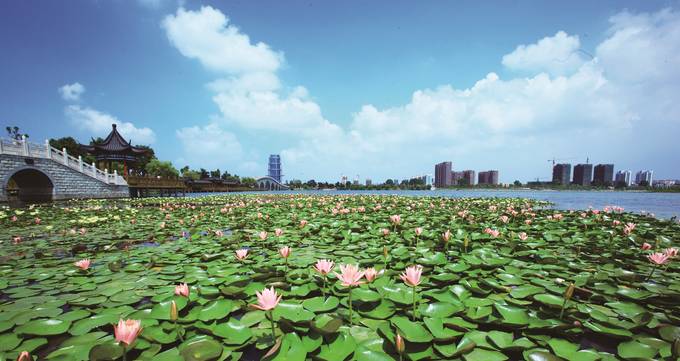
[(31, 172), (267, 183)]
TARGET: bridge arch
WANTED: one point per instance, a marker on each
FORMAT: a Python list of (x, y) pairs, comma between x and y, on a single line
[(270, 184), (29, 185)]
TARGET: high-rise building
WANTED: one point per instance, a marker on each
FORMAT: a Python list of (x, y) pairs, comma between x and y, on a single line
[(369, 182), (456, 177), (644, 177), (623, 177), (275, 167), (442, 174), (561, 173), (343, 180), (469, 177), (583, 174), (488, 177), (603, 175)]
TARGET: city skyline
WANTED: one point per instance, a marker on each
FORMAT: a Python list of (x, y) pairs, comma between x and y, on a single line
[(216, 84)]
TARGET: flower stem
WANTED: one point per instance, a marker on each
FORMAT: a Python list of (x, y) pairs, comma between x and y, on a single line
[(124, 353), (323, 289), (271, 318), (414, 303), (177, 329), (351, 322), (562, 310), (651, 273)]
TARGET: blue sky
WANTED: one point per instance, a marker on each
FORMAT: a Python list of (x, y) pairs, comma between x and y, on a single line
[(379, 89)]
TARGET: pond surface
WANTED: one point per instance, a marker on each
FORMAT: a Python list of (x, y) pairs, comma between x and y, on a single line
[(497, 278), (662, 205)]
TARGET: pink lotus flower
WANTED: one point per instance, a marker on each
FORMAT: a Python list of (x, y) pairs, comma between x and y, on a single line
[(671, 252), (446, 236), (504, 219), (558, 216), (646, 246), (385, 232), (419, 231), (492, 232), (263, 235), (127, 331), (14, 219), (182, 290), (303, 223), (17, 239), (285, 252), (395, 219), (527, 222), (37, 220), (522, 236), (133, 221), (219, 233), (412, 275), (616, 222), (278, 232), (658, 258), (84, 264), (241, 254), (324, 266), (371, 274), (267, 299), (350, 275), (24, 356)]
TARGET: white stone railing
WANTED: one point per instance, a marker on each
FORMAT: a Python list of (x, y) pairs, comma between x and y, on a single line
[(28, 149)]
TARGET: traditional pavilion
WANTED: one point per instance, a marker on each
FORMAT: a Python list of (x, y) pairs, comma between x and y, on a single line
[(115, 149)]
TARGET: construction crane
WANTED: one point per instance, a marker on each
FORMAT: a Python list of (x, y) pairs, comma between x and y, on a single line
[(554, 160)]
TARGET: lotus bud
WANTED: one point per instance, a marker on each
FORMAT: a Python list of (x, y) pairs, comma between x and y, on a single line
[(569, 292), (24, 356), (401, 347), (385, 251), (173, 311)]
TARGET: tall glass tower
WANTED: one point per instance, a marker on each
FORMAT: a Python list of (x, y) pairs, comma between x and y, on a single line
[(275, 167)]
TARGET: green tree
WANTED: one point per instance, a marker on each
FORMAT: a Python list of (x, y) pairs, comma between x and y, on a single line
[(164, 169), (248, 181), (144, 159), (517, 183), (72, 147), (14, 133)]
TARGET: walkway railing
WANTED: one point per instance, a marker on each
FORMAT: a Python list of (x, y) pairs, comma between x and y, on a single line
[(28, 149)]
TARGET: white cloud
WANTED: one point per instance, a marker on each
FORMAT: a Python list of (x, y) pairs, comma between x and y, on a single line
[(562, 103), (209, 146), (98, 124), (207, 36), (72, 92), (556, 55)]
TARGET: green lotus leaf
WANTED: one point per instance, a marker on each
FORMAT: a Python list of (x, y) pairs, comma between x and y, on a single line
[(319, 304), (411, 331), (200, 349), (44, 327)]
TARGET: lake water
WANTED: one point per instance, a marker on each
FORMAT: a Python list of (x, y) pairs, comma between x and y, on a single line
[(662, 205)]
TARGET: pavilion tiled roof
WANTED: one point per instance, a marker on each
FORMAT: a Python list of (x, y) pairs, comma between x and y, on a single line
[(114, 143)]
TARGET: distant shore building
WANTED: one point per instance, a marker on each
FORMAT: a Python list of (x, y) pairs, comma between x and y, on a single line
[(561, 173), (469, 177), (456, 177), (488, 177), (275, 167), (343, 180), (604, 175), (369, 182), (623, 177), (644, 177), (442, 174), (583, 174)]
